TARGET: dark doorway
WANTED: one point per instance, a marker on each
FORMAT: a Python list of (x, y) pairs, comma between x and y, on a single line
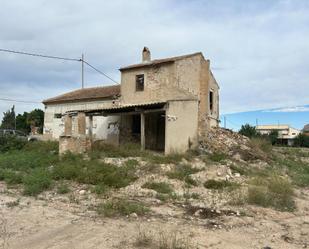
[(155, 131)]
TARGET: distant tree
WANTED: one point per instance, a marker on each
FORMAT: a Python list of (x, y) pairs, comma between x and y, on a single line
[(273, 136), (8, 120), (21, 122), (248, 131), (36, 118), (301, 140)]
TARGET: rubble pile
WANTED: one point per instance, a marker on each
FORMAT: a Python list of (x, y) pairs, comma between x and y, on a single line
[(220, 140)]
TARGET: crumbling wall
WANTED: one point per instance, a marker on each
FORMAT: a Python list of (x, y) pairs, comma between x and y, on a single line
[(74, 144)]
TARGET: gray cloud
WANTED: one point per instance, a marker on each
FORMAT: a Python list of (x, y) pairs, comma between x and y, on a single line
[(259, 50)]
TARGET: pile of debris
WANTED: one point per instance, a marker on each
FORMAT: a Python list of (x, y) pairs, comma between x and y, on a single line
[(225, 141)]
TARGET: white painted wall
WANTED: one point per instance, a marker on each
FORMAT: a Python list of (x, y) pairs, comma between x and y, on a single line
[(103, 127)]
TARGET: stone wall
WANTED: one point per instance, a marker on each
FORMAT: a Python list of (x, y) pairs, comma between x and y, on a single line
[(74, 144)]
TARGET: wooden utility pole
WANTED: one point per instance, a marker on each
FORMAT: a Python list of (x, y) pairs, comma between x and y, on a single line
[(82, 70)]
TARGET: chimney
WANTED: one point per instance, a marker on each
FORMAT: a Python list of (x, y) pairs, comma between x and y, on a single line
[(146, 54)]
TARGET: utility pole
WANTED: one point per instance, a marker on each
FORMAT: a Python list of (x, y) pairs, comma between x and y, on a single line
[(256, 122), (224, 122), (82, 70)]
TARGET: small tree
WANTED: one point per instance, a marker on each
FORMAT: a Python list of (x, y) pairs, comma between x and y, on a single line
[(248, 131), (273, 136), (8, 120), (21, 122), (301, 140), (36, 118)]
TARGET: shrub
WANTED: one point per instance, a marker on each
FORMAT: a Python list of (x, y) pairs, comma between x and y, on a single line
[(160, 187), (10, 177), (121, 207), (37, 181), (8, 143), (220, 184), (301, 140), (273, 192)]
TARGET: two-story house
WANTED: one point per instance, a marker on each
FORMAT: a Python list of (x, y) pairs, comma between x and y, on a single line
[(165, 105)]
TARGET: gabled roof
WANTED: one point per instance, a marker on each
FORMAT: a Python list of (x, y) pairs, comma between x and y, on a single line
[(86, 94), (159, 61)]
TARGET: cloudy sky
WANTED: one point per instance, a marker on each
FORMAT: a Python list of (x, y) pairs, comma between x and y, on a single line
[(259, 49)]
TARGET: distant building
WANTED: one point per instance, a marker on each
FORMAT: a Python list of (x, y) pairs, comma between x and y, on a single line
[(305, 130), (286, 134)]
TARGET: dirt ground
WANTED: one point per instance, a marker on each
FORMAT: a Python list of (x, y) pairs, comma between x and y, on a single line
[(52, 221)]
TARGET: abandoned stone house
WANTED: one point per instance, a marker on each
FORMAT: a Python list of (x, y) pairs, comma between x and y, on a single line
[(165, 105)]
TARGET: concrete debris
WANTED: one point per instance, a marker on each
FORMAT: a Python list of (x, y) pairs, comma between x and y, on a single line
[(220, 140)]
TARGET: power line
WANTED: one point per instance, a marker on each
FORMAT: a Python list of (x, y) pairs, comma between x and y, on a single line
[(20, 101), (39, 55), (100, 72), (59, 58)]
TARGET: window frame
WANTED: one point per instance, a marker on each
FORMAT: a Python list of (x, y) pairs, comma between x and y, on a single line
[(211, 101), (139, 86)]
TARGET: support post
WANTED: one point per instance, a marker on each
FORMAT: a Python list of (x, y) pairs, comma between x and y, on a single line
[(142, 131), (90, 126), (81, 123), (67, 125)]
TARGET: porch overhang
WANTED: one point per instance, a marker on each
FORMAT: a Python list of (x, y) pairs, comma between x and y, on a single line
[(124, 109)]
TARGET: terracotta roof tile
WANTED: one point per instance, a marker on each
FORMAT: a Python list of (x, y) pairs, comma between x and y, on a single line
[(93, 93)]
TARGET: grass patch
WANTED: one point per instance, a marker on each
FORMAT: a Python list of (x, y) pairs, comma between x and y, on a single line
[(220, 184), (100, 149), (238, 169), (275, 192), (100, 189), (95, 172), (182, 172), (36, 182), (260, 144), (295, 168), (160, 187), (121, 207), (63, 189), (10, 177), (217, 157)]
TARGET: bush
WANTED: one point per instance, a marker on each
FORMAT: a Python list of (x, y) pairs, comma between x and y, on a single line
[(10, 177), (160, 187), (273, 192), (121, 207), (36, 182), (8, 143), (220, 184), (301, 140)]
